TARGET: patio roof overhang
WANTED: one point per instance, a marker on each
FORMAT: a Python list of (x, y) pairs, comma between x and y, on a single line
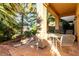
[(61, 9)]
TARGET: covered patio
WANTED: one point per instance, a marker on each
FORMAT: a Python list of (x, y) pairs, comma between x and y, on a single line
[(59, 10)]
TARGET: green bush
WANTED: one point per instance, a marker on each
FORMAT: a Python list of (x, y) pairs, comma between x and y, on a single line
[(27, 33), (30, 33)]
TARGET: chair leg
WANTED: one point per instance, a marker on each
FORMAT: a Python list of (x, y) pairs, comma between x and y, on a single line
[(56, 44), (60, 47)]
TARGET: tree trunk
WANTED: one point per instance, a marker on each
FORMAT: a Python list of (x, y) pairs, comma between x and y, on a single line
[(22, 17)]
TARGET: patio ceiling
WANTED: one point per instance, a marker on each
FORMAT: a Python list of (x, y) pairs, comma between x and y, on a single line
[(61, 9)]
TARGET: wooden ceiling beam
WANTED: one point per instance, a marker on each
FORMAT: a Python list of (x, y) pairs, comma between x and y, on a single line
[(53, 8), (47, 5)]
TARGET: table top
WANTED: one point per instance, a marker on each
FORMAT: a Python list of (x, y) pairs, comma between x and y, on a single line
[(54, 35), (57, 35)]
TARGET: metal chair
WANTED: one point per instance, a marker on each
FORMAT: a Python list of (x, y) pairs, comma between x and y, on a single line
[(66, 40)]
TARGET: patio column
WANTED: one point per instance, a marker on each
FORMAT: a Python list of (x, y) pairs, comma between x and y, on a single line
[(77, 23), (42, 13), (57, 23)]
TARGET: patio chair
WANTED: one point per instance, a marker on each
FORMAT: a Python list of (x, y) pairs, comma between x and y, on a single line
[(67, 40)]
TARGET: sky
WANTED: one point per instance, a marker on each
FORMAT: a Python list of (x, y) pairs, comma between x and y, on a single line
[(68, 18)]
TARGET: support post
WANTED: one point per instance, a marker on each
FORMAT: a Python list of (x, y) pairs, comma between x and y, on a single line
[(77, 23), (42, 13), (57, 23)]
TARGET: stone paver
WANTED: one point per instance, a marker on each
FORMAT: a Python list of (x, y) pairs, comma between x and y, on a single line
[(24, 50)]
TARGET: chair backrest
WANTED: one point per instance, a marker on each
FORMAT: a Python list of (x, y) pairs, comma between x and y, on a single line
[(67, 39), (69, 32)]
